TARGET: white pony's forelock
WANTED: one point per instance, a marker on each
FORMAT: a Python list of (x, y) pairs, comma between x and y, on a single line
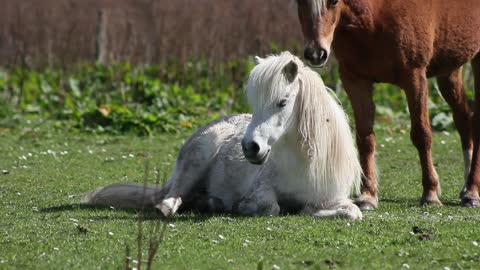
[(322, 125)]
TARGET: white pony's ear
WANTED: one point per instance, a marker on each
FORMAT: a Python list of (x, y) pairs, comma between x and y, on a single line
[(291, 71), (258, 60)]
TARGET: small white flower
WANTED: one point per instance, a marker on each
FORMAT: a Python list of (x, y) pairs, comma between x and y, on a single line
[(71, 196), (35, 209), (449, 217), (171, 225), (382, 145), (269, 229), (475, 243), (110, 233), (56, 248), (131, 155), (442, 142), (74, 220), (425, 213), (348, 224), (446, 268), (221, 236), (104, 150), (135, 261), (90, 151), (275, 267), (399, 150), (215, 241), (29, 154), (405, 265), (19, 194), (230, 261), (446, 133), (247, 241), (124, 156)]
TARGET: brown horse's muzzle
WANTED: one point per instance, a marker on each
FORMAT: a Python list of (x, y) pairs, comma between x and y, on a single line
[(315, 56)]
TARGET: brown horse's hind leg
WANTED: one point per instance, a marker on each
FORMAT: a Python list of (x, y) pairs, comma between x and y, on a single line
[(416, 89), (360, 95), (452, 90), (471, 197)]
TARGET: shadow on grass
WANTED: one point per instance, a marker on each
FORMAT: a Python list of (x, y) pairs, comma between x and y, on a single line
[(148, 214), (415, 202)]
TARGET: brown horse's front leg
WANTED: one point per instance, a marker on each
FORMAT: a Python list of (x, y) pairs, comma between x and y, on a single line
[(360, 95), (416, 88), (471, 197)]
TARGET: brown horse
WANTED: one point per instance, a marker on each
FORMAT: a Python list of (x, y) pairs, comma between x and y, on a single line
[(402, 42)]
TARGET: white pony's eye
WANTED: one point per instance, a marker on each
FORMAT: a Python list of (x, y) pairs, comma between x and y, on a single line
[(282, 103)]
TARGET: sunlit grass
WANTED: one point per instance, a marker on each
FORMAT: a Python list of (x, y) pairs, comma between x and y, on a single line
[(45, 171)]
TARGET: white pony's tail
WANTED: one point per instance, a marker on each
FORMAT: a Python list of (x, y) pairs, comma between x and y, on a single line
[(123, 195)]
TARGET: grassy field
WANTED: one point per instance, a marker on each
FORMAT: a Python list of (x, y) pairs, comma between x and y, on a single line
[(46, 171)]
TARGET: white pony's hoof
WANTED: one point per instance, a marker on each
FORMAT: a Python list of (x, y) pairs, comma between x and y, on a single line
[(169, 206), (349, 211)]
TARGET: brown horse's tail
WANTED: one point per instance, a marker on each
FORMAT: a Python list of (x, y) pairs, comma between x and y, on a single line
[(123, 195)]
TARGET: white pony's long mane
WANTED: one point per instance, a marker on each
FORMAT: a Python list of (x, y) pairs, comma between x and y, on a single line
[(326, 137), (323, 128)]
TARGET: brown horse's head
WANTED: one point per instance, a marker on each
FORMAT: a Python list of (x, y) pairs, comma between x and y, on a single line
[(318, 19)]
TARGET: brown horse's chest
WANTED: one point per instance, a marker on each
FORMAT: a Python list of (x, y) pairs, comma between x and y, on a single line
[(368, 57)]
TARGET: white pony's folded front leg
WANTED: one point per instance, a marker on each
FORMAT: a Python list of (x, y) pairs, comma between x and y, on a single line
[(261, 200), (347, 210)]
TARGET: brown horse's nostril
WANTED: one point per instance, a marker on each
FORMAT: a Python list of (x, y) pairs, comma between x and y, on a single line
[(315, 56)]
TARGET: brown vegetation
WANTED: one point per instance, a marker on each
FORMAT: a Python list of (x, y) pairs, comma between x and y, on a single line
[(61, 32)]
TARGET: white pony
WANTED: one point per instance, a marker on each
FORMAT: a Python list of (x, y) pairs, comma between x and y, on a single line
[(295, 153)]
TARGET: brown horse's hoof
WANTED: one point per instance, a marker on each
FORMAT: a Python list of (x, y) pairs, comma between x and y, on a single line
[(433, 202), (366, 203), (470, 201), (430, 198)]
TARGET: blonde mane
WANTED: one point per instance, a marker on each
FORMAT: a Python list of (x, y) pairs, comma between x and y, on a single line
[(323, 129), (318, 6)]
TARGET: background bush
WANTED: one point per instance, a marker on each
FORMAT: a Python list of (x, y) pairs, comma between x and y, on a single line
[(153, 65)]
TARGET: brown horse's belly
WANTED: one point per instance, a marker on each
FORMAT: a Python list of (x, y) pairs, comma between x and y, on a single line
[(447, 60)]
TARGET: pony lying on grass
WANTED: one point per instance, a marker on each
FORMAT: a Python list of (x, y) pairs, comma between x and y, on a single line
[(294, 154)]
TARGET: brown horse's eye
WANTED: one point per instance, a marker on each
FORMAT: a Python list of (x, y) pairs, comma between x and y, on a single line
[(333, 3)]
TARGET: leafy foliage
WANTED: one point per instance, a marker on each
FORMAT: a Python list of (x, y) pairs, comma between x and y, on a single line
[(120, 98), (170, 97)]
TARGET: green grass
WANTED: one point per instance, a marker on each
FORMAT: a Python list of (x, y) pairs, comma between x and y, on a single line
[(38, 212)]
